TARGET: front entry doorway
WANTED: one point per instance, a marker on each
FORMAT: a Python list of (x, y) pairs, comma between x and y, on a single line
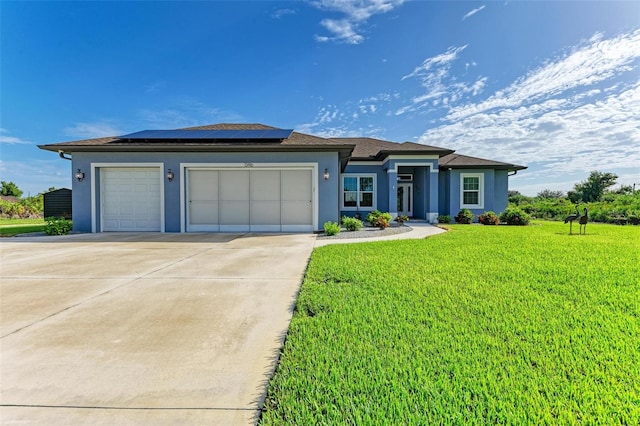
[(405, 199)]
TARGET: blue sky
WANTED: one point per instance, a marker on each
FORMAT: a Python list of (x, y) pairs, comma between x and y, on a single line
[(551, 85)]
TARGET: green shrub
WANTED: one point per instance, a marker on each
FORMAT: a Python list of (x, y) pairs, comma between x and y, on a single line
[(331, 228), (514, 216), (55, 226), (372, 217), (401, 219), (444, 218), (351, 223), (464, 216), (489, 218)]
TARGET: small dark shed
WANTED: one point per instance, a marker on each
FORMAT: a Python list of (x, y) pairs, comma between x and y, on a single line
[(58, 203)]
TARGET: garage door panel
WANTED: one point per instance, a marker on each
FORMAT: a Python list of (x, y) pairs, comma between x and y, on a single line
[(203, 200), (296, 185), (234, 185), (204, 212), (203, 185), (296, 213), (265, 212), (265, 185), (234, 212)]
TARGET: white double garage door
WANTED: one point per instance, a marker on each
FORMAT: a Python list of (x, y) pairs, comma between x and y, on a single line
[(267, 199)]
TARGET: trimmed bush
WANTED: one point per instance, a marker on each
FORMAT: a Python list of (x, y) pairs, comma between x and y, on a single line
[(464, 216), (444, 218), (382, 222), (351, 223), (372, 217), (401, 219), (514, 216), (331, 228), (57, 226), (489, 218)]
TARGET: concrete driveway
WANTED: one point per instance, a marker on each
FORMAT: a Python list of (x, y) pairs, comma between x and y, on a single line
[(144, 328)]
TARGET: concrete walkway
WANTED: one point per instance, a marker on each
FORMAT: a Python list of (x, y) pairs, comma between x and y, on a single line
[(419, 231)]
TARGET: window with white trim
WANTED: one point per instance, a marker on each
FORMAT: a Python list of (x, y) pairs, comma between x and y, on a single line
[(358, 191), (471, 190)]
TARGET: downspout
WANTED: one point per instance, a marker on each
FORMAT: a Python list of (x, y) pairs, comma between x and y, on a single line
[(515, 172), (62, 155)]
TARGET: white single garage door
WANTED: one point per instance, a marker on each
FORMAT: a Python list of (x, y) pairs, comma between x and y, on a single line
[(130, 199), (267, 200)]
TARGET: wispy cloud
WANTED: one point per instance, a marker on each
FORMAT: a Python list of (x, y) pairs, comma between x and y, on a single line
[(6, 139), (442, 88), (282, 12), (574, 113), (92, 130), (185, 113), (36, 176), (590, 63), (155, 86), (353, 118), (473, 12), (356, 13)]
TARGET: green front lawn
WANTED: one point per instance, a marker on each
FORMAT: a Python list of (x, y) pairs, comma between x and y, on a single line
[(11, 227), (481, 325)]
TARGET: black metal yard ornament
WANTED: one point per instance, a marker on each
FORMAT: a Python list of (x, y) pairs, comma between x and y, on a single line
[(583, 221)]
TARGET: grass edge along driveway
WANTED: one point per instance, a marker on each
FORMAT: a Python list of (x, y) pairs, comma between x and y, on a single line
[(481, 325)]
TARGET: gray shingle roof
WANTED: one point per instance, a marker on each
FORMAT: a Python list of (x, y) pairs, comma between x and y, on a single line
[(459, 161), (365, 149), (296, 139), (375, 149)]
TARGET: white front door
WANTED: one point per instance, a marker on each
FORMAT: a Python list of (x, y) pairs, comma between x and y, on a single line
[(405, 199)]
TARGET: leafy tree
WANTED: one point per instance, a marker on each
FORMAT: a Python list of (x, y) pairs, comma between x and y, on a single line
[(623, 190), (11, 189), (592, 189), (515, 197), (548, 193)]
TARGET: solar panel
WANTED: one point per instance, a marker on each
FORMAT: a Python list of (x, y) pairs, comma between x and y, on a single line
[(259, 134)]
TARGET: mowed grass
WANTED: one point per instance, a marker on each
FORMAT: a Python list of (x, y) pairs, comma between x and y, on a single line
[(481, 325), (11, 227)]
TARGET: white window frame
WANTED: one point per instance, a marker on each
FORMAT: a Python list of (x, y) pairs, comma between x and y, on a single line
[(358, 176), (480, 177)]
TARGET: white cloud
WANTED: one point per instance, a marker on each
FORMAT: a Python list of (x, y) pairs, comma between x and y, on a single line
[(356, 13), (282, 12), (473, 12), (575, 113), (586, 65), (442, 88), (36, 176), (186, 113), (92, 130), (6, 139)]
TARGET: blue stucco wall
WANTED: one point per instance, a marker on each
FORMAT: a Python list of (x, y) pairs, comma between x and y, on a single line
[(496, 184), (328, 197), (425, 185), (501, 191)]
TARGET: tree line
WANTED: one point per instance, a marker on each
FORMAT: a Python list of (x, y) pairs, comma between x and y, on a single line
[(620, 205)]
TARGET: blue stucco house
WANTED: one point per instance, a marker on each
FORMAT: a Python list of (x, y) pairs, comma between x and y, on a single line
[(252, 177)]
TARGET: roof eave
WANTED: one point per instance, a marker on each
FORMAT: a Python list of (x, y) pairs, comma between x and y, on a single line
[(192, 148), (509, 167), (439, 152)]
